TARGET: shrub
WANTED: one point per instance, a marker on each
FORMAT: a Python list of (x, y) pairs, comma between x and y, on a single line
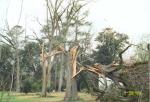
[(36, 87), (27, 86)]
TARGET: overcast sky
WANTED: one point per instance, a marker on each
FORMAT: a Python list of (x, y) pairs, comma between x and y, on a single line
[(126, 16)]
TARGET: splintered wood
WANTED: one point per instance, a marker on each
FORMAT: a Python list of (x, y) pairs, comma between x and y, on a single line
[(74, 53), (96, 69), (44, 55), (45, 58)]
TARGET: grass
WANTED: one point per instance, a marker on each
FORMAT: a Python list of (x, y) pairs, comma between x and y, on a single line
[(52, 97)]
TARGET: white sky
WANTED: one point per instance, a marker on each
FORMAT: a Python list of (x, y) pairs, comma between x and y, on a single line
[(125, 16), (128, 16)]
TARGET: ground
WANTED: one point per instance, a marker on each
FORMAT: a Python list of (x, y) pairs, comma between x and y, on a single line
[(52, 97)]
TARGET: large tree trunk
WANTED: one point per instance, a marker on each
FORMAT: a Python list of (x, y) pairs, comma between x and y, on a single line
[(17, 72), (46, 69), (71, 88), (44, 81), (61, 73), (48, 76), (56, 65), (44, 64)]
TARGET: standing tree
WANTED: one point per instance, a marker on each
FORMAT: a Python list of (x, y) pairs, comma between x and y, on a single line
[(141, 51), (61, 19), (30, 64), (5, 66), (110, 44), (11, 38)]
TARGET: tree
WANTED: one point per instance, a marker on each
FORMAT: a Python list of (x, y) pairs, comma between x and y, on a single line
[(61, 19), (62, 66), (110, 43), (142, 55), (71, 87), (30, 59), (6, 65), (30, 64), (111, 47), (11, 38), (141, 51)]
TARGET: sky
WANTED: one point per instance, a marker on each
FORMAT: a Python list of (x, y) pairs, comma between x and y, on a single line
[(131, 17), (128, 16)]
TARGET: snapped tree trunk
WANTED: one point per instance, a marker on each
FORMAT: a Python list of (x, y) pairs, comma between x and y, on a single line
[(47, 63), (71, 87)]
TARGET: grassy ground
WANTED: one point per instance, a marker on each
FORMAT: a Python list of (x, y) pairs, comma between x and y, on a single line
[(52, 97)]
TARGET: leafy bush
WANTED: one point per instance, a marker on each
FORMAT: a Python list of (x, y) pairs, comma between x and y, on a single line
[(27, 86), (36, 87)]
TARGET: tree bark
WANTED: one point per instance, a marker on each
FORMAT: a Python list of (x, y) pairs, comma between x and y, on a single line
[(48, 76), (149, 67), (71, 88), (44, 81), (44, 64), (44, 73), (61, 73), (17, 72), (56, 72)]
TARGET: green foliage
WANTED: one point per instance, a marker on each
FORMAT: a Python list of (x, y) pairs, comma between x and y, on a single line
[(36, 86), (11, 36), (31, 85), (27, 86), (145, 96), (15, 31), (113, 94), (30, 60), (110, 44), (5, 66), (142, 53), (31, 68)]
